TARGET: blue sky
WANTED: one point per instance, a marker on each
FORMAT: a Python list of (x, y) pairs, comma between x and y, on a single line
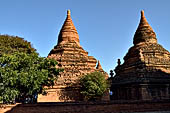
[(106, 27)]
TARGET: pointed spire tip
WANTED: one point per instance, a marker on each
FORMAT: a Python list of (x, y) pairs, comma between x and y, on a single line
[(142, 13), (68, 12)]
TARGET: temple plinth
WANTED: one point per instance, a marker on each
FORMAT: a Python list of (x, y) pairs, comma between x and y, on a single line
[(74, 60), (145, 73)]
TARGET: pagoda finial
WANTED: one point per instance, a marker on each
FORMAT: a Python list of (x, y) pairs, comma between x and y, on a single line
[(144, 32), (143, 19), (68, 12), (142, 13)]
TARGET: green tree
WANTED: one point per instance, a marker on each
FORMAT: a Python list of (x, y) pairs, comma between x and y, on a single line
[(12, 44), (93, 86), (23, 75)]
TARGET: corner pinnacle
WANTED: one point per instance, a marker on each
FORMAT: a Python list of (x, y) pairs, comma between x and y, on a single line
[(99, 65)]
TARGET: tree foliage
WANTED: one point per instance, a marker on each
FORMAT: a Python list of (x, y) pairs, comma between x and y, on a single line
[(23, 75), (93, 85), (12, 44)]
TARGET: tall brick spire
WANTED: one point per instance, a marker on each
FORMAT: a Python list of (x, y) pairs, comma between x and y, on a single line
[(74, 60), (144, 32), (68, 31)]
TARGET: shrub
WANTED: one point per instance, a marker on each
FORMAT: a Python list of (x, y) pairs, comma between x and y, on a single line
[(93, 86)]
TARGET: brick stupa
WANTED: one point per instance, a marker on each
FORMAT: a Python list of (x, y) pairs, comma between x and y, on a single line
[(145, 73), (75, 62)]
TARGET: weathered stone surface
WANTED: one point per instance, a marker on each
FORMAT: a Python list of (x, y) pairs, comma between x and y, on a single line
[(75, 62), (145, 73), (90, 107)]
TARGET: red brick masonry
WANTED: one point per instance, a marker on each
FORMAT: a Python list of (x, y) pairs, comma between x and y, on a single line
[(90, 107)]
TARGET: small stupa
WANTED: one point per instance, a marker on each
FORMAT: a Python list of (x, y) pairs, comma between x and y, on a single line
[(74, 60), (145, 73)]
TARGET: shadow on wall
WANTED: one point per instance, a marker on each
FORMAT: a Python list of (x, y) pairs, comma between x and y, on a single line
[(153, 85), (91, 107)]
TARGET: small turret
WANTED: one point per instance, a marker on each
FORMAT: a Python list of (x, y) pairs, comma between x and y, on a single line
[(99, 65)]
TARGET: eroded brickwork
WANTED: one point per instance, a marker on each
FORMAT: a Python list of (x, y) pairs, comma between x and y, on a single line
[(75, 62)]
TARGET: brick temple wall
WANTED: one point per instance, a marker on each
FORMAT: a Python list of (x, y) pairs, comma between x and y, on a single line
[(90, 107)]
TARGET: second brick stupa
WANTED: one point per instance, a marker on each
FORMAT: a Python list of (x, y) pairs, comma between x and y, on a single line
[(145, 73)]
